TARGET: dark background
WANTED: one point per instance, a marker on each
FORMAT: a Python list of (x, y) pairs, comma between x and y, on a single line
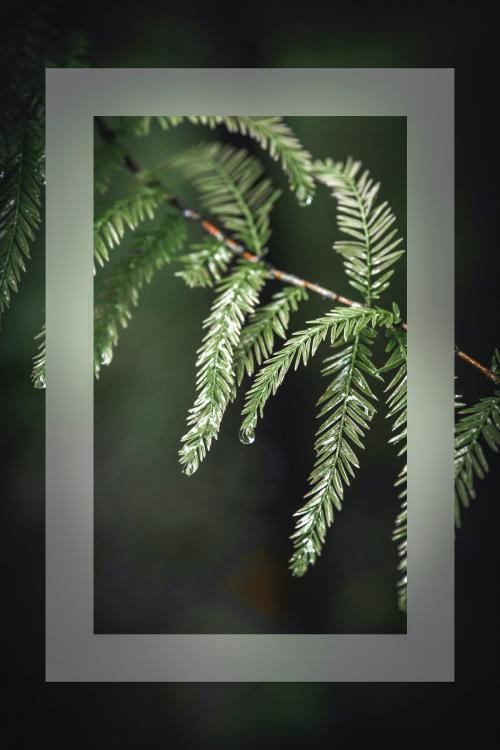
[(149, 716)]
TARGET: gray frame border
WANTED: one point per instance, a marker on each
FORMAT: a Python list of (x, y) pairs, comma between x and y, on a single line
[(73, 651)]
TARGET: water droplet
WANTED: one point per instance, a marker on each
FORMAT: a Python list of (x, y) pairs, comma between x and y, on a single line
[(247, 435), (189, 469), (306, 201)]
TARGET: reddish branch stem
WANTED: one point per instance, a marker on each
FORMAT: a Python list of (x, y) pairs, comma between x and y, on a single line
[(482, 368), (287, 278), (275, 273)]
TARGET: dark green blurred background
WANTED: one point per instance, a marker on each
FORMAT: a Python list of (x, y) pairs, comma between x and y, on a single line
[(210, 553), (248, 716)]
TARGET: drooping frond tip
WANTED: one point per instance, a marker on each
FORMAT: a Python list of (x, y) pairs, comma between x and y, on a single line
[(373, 245), (348, 404), (237, 297)]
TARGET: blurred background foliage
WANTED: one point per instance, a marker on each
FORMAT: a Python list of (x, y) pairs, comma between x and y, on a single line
[(244, 716), (210, 553)]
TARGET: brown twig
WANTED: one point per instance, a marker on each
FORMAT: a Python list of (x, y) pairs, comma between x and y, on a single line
[(486, 372), (275, 273), (287, 278)]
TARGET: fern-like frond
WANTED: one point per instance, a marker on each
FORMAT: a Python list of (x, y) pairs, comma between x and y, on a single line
[(397, 403), (338, 324), (206, 264), (373, 246), (230, 186), (237, 297), (21, 178), (112, 221), (348, 404), (258, 336), (477, 425), (271, 133), (39, 361), (153, 249)]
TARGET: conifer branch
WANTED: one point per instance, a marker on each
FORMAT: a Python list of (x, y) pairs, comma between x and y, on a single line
[(273, 272), (232, 190), (282, 276), (210, 228)]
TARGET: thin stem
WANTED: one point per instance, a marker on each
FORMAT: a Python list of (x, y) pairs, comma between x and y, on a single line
[(275, 273), (129, 163), (482, 368)]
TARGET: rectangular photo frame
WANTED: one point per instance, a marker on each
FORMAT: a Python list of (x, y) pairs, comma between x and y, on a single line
[(73, 652)]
